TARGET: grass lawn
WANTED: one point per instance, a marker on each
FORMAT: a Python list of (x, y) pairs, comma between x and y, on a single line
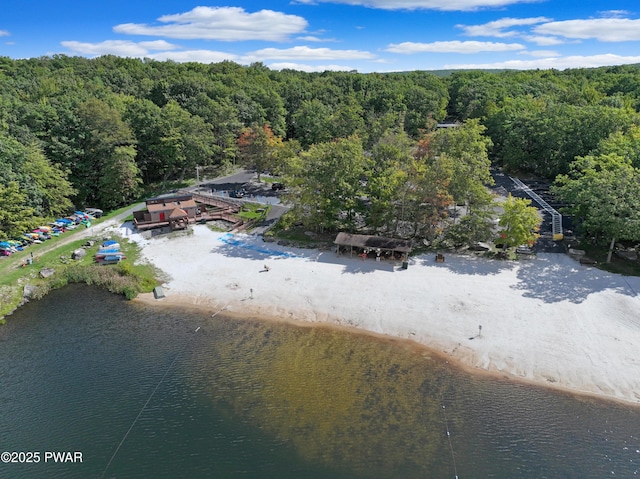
[(253, 211), (124, 278)]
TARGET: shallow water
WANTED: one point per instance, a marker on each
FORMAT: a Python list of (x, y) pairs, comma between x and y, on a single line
[(141, 394)]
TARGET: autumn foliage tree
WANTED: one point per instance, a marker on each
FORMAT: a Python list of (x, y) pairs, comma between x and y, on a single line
[(259, 148)]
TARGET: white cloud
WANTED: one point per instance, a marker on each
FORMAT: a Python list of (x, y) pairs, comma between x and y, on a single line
[(221, 23), (615, 13), (312, 38), (542, 40), (123, 48), (602, 29), (497, 27), (158, 45), (308, 68), (452, 47), (541, 53), (308, 54), (447, 5), (4, 33), (167, 51), (559, 63)]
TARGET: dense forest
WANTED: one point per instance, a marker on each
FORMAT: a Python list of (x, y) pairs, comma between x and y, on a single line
[(355, 148)]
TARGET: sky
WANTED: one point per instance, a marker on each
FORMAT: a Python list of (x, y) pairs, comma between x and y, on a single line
[(318, 35)]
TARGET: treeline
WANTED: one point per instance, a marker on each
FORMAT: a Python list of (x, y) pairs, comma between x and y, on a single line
[(90, 132)]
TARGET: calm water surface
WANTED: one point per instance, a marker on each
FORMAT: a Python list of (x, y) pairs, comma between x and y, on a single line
[(248, 399)]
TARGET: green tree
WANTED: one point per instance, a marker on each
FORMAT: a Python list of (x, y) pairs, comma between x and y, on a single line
[(475, 93), (312, 123), (45, 186), (329, 186), (120, 180), (221, 116), (623, 143), (53, 190), (16, 216), (475, 227), (186, 141), (545, 138), (604, 196), (426, 197), (468, 147), (347, 120), (519, 222), (387, 173), (146, 122), (104, 131), (288, 163)]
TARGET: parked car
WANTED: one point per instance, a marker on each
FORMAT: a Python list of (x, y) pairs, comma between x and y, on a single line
[(95, 212), (239, 193), (277, 186), (524, 249)]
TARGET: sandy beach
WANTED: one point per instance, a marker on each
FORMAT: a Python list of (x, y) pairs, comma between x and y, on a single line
[(546, 320)]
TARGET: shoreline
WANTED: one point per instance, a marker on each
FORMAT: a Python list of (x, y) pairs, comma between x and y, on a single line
[(182, 302), (547, 321)]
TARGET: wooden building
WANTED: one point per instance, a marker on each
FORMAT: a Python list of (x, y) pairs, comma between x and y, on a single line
[(173, 211)]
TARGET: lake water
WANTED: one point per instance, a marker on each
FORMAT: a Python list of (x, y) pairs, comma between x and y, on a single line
[(141, 394)]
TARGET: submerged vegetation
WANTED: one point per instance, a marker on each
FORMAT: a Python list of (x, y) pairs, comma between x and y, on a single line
[(319, 390)]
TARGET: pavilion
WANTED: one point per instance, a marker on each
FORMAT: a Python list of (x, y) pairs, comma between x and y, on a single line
[(365, 244)]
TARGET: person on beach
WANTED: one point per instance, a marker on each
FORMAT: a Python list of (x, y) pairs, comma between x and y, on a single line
[(266, 268)]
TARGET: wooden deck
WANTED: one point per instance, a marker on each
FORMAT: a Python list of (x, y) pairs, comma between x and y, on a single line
[(214, 209)]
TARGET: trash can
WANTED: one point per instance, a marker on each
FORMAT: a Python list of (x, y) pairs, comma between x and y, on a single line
[(405, 264)]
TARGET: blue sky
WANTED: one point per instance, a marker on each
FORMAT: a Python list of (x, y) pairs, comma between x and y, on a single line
[(318, 35)]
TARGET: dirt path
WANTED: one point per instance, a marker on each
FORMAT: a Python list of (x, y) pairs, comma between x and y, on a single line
[(80, 234)]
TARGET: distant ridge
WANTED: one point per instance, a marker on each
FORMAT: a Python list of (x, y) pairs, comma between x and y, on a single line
[(446, 73)]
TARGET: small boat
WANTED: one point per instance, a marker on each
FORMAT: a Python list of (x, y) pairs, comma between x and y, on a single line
[(110, 259), (100, 256), (109, 250)]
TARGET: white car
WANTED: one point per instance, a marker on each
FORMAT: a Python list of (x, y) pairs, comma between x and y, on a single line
[(95, 212)]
